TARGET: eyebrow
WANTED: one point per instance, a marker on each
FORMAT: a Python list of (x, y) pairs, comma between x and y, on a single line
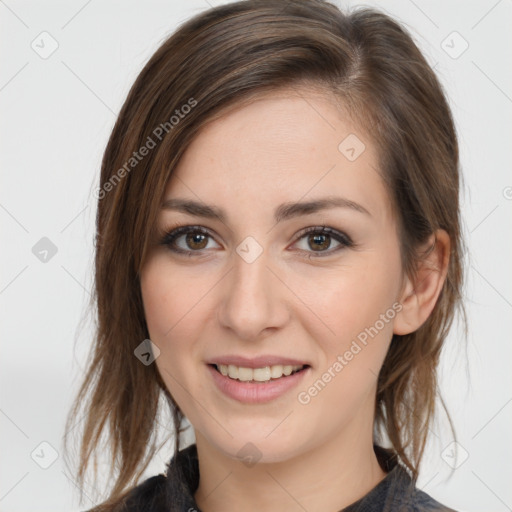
[(284, 211)]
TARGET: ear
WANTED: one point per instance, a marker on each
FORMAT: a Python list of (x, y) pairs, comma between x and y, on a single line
[(419, 295)]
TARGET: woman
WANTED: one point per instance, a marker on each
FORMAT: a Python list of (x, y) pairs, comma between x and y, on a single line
[(279, 256)]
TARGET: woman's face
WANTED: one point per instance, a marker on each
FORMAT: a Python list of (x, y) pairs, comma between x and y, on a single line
[(257, 284)]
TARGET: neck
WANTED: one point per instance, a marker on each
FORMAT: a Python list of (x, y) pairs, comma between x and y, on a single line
[(329, 476)]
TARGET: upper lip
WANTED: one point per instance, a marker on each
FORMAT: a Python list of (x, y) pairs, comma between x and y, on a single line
[(256, 362)]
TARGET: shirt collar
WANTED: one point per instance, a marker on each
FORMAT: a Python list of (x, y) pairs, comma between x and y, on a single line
[(182, 480)]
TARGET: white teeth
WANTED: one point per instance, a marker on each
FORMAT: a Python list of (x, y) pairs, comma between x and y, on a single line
[(258, 374), (244, 374), (261, 374), (275, 371), (233, 371)]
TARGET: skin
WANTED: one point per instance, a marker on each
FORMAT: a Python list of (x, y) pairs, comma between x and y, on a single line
[(282, 147)]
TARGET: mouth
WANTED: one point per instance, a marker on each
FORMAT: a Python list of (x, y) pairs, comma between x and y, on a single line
[(257, 385), (262, 375)]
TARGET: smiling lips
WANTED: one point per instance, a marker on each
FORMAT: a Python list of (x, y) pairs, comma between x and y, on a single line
[(254, 391), (256, 380)]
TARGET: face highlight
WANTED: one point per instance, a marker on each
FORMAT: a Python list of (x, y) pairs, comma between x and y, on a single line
[(277, 237)]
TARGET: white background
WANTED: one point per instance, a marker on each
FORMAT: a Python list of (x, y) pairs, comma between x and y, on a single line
[(57, 114)]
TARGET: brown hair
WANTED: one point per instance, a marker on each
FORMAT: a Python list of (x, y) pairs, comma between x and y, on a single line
[(213, 62)]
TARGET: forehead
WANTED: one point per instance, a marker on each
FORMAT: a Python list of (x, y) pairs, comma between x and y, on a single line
[(282, 146)]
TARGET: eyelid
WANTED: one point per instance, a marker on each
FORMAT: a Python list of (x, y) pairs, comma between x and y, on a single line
[(169, 235), (326, 230)]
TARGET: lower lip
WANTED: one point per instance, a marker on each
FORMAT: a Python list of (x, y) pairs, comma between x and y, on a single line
[(256, 392)]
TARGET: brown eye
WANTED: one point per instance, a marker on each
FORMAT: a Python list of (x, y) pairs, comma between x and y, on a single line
[(320, 239), (187, 240), (196, 241)]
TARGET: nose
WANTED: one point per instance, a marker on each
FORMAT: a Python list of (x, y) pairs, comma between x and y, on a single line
[(253, 298)]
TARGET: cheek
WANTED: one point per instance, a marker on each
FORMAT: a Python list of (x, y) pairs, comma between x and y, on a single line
[(175, 302), (348, 300), (170, 308), (168, 296), (356, 311), (157, 301)]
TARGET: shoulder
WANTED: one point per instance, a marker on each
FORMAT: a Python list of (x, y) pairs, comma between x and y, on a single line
[(398, 491), (406, 497), (172, 489), (422, 502), (147, 496)]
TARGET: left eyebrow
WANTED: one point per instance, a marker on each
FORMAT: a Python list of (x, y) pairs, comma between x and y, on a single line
[(290, 210), (284, 211)]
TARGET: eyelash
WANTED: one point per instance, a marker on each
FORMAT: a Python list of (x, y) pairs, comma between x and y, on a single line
[(169, 237)]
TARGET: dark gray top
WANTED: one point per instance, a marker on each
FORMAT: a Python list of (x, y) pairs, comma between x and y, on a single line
[(174, 491)]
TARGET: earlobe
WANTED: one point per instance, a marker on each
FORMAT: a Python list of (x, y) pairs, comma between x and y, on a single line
[(419, 296)]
